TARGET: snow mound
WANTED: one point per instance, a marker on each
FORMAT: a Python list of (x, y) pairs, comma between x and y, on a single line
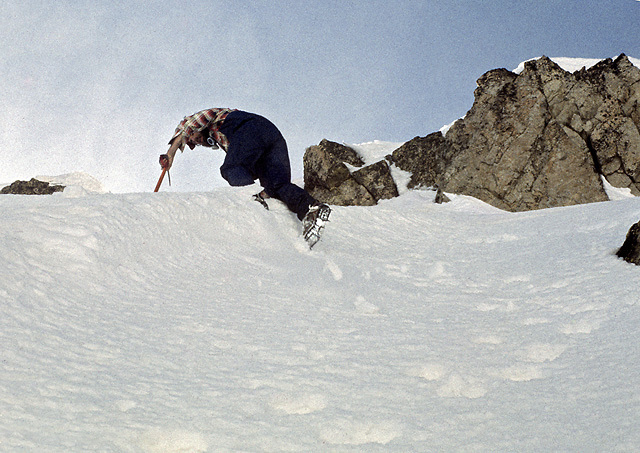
[(76, 183)]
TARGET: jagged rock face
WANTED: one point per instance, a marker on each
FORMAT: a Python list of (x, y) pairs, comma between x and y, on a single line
[(32, 187), (538, 139), (328, 179)]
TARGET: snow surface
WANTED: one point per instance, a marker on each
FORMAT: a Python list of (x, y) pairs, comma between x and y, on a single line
[(200, 322)]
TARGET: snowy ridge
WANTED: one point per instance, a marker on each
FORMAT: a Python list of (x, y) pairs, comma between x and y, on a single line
[(574, 64), (201, 322)]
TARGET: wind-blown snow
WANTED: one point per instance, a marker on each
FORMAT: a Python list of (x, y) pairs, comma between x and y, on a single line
[(574, 64), (201, 322)]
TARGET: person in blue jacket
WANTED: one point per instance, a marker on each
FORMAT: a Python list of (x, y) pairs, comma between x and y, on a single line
[(255, 150)]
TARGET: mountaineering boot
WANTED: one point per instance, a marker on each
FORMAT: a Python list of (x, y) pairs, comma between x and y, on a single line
[(261, 198), (313, 223)]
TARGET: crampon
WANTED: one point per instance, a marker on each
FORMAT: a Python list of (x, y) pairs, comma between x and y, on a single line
[(314, 222)]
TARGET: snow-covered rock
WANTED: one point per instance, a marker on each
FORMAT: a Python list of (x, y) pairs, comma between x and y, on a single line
[(76, 184)]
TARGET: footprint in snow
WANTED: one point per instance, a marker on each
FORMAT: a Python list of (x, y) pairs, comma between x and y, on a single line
[(429, 372), (365, 307), (334, 269), (543, 352), (125, 405), (489, 340), (350, 432), (535, 321), (457, 386), (577, 327), (521, 373), (298, 404), (168, 441), (453, 385)]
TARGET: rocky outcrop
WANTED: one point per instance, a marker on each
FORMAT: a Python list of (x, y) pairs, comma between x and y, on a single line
[(335, 174), (630, 250), (538, 139), (32, 187)]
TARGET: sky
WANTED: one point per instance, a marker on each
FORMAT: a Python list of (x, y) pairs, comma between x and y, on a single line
[(99, 87)]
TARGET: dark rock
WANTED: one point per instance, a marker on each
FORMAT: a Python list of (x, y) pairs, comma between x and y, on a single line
[(425, 158), (324, 166), (328, 178), (441, 197), (377, 179), (630, 250), (32, 187)]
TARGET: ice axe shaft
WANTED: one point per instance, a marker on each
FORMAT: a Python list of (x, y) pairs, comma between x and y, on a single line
[(164, 170), (164, 163)]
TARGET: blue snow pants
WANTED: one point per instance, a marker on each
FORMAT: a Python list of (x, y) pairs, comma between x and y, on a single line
[(257, 150)]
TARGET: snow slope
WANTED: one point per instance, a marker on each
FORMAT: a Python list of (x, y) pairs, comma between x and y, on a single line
[(200, 322)]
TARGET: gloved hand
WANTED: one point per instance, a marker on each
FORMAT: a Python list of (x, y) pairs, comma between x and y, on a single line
[(164, 161)]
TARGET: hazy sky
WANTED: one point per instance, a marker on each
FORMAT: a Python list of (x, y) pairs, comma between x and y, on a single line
[(99, 86)]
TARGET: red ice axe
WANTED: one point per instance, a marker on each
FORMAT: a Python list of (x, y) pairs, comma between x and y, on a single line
[(164, 163)]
